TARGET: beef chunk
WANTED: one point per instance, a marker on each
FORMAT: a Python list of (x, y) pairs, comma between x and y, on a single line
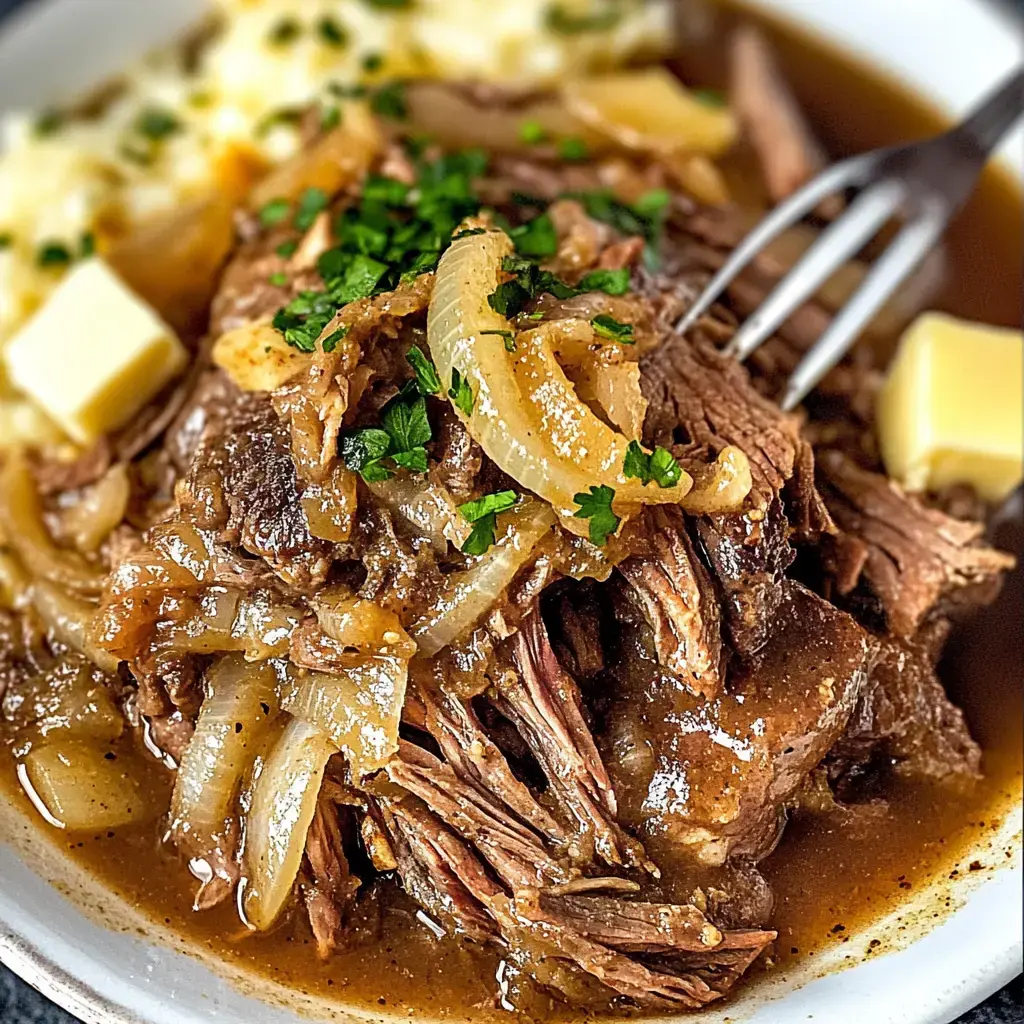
[(243, 484), (701, 402), (676, 596), (771, 118), (713, 776), (915, 560), (459, 457), (904, 719), (330, 887), (544, 703)]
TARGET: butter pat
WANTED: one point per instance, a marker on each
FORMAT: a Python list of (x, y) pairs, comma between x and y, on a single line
[(94, 354), (952, 408)]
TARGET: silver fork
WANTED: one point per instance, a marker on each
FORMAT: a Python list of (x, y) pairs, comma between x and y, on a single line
[(927, 182)]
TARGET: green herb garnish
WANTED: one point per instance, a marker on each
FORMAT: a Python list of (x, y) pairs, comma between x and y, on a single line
[(389, 101), (274, 212), (536, 238), (573, 149), (156, 124), (330, 117), (483, 514), (86, 245), (659, 466), (372, 62), (406, 429), (532, 132), (331, 32), (47, 123), (560, 18), (606, 326), (507, 336), (709, 97), (645, 217), (330, 343), (6, 240), (427, 380), (611, 282), (278, 280), (311, 202), (284, 116), (362, 450), (287, 249), (461, 393), (596, 506), (53, 254), (285, 30)]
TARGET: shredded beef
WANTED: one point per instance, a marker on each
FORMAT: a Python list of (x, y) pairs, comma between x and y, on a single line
[(905, 720), (243, 484), (916, 561), (713, 776), (676, 596)]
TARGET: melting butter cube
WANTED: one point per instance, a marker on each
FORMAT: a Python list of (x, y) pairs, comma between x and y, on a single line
[(952, 408), (94, 354)]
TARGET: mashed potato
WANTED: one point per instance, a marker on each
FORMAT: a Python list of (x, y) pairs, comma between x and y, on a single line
[(71, 185)]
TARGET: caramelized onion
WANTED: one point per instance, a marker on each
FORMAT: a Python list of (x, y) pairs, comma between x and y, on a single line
[(283, 803), (721, 486), (21, 521), (428, 507), (233, 724), (71, 621), (471, 593), (526, 414), (359, 709), (101, 507)]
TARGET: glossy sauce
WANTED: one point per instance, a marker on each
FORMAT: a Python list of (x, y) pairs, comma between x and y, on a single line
[(831, 879)]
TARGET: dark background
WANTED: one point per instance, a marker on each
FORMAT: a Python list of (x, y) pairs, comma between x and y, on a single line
[(20, 1004)]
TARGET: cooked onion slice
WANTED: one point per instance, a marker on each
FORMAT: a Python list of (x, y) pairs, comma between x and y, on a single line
[(283, 803), (469, 594), (426, 506), (71, 621), (102, 507), (21, 523), (721, 486), (233, 724), (526, 414), (359, 708)]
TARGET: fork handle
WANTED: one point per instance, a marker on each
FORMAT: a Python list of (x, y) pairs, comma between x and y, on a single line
[(995, 115)]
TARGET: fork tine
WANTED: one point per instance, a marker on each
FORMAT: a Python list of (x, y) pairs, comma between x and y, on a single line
[(899, 260), (833, 179), (845, 238)]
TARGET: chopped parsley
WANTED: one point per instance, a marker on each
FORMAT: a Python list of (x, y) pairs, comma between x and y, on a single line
[(331, 32), (311, 202), (563, 19), (573, 149), (48, 123), (394, 233), (461, 393), (511, 296), (376, 453), (532, 132), (427, 380), (330, 343), (6, 240), (287, 249), (330, 117), (536, 238), (278, 280), (611, 282), (284, 31), (483, 514), (507, 336), (372, 62), (596, 506), (659, 466), (389, 101), (282, 117), (156, 124), (275, 212), (606, 326), (53, 254), (86, 245), (645, 217)]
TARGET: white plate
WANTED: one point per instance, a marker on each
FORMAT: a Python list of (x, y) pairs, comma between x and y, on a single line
[(951, 51)]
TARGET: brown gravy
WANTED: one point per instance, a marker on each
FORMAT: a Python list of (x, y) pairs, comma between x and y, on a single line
[(830, 881)]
